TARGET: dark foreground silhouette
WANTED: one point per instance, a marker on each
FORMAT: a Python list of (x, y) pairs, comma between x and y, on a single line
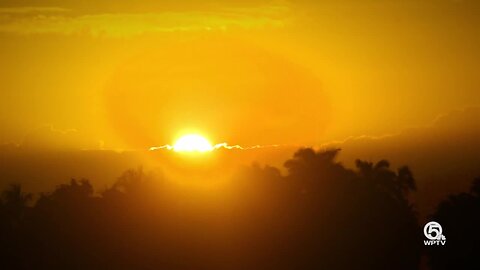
[(459, 216), (320, 215)]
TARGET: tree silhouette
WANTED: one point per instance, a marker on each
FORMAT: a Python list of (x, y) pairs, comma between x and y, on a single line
[(13, 208), (459, 216), (319, 215), (331, 212), (14, 202)]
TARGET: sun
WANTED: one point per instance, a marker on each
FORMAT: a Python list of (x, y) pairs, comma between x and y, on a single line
[(192, 143)]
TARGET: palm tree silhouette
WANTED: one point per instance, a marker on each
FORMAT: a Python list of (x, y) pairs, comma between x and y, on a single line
[(15, 202)]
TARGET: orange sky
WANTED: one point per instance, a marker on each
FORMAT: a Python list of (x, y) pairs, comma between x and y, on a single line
[(259, 72), (86, 87)]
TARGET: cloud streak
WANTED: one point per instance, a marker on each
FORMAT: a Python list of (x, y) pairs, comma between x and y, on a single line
[(219, 146), (43, 20)]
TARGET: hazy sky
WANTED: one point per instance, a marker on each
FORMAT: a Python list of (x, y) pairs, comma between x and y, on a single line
[(126, 74)]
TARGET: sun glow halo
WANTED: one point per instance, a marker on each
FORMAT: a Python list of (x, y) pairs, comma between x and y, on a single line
[(192, 143)]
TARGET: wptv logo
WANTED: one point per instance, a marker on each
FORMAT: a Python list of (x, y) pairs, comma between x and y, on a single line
[(433, 233)]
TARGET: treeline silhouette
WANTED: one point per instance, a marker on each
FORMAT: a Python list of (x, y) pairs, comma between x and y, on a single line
[(320, 215), (459, 216)]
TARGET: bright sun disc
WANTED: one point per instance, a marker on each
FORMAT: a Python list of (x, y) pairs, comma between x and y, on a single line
[(192, 143)]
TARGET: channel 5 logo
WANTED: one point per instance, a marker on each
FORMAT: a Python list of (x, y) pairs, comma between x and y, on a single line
[(434, 234)]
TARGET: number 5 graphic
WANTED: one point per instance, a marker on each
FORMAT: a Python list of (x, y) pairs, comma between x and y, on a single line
[(432, 230)]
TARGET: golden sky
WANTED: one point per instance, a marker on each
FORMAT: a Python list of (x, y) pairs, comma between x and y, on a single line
[(129, 75)]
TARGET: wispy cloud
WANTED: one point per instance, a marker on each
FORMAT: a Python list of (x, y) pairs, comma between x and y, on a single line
[(220, 146), (36, 20), (32, 10)]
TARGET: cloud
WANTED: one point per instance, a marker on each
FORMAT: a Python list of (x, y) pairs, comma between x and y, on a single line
[(444, 155), (32, 11), (450, 139), (41, 20)]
